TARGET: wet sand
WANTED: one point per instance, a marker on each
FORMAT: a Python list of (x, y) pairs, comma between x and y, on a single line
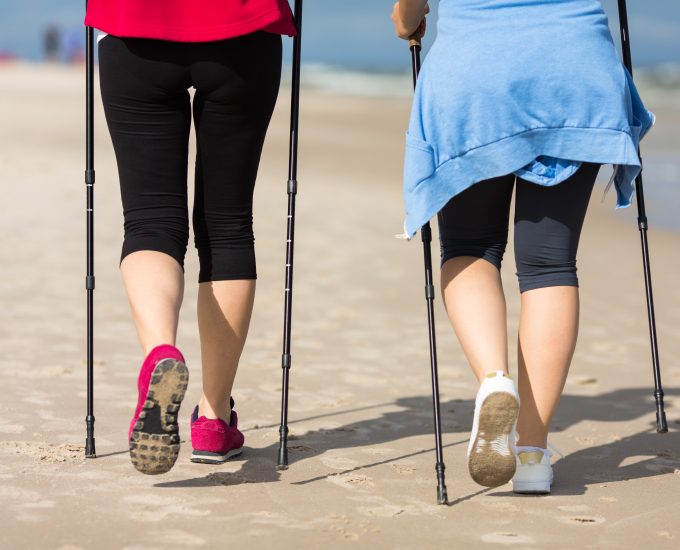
[(362, 460)]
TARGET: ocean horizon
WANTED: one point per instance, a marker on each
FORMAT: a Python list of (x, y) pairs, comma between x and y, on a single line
[(353, 34)]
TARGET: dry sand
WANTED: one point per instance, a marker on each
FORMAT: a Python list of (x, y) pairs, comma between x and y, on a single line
[(362, 461)]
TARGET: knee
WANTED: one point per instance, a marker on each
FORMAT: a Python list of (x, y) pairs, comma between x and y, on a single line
[(226, 247), (540, 272), (487, 247), (166, 234)]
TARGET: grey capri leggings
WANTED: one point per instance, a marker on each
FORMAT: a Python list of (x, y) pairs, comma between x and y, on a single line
[(548, 222)]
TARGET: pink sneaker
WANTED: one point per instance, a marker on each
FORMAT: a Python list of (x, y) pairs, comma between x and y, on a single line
[(213, 440), (154, 432)]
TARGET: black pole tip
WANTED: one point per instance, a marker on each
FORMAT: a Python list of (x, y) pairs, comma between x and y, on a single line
[(89, 448), (442, 497), (282, 463), (661, 424)]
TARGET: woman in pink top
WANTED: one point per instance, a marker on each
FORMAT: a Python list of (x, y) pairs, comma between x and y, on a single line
[(154, 51)]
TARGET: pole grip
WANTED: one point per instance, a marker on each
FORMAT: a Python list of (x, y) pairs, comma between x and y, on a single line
[(414, 41)]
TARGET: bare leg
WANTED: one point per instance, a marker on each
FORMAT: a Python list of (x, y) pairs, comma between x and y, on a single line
[(154, 283), (547, 338), (224, 311), (548, 222), (475, 303)]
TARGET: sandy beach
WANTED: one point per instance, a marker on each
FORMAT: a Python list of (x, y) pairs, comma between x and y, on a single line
[(362, 459)]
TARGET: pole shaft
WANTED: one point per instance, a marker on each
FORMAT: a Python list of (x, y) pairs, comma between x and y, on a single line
[(286, 359), (426, 236), (661, 423), (90, 451)]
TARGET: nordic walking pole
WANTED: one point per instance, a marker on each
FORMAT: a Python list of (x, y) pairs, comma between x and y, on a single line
[(426, 235), (89, 279), (661, 425), (282, 462)]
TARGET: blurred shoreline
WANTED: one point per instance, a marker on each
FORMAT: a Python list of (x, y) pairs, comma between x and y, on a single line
[(659, 87)]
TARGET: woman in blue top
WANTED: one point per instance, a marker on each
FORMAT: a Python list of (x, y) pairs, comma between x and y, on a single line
[(525, 93)]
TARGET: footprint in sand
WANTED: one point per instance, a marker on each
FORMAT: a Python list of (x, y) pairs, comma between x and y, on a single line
[(386, 511), (376, 506), (352, 481), (582, 520), (45, 452), (346, 535), (507, 538), (402, 468)]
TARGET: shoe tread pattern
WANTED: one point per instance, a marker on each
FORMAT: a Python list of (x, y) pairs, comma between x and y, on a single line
[(492, 462), (155, 442)]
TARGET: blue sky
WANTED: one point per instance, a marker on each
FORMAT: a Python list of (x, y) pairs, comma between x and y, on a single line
[(350, 33)]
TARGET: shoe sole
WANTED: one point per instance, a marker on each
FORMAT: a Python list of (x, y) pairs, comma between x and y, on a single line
[(206, 457), (531, 487), (154, 444), (491, 462)]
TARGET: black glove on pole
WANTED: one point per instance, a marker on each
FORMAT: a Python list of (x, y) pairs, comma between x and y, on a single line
[(426, 235), (282, 463), (661, 425)]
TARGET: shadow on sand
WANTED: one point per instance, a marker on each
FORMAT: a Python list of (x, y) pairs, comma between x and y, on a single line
[(640, 455)]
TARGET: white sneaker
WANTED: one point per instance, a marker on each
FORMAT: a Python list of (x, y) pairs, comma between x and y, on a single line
[(534, 473), (491, 460)]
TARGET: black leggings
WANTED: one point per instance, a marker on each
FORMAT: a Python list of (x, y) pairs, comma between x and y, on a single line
[(144, 86), (548, 222)]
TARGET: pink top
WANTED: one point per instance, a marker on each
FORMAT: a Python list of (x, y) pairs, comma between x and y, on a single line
[(189, 20)]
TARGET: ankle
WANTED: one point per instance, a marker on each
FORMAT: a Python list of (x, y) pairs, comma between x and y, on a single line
[(483, 375), (217, 409), (536, 442)]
